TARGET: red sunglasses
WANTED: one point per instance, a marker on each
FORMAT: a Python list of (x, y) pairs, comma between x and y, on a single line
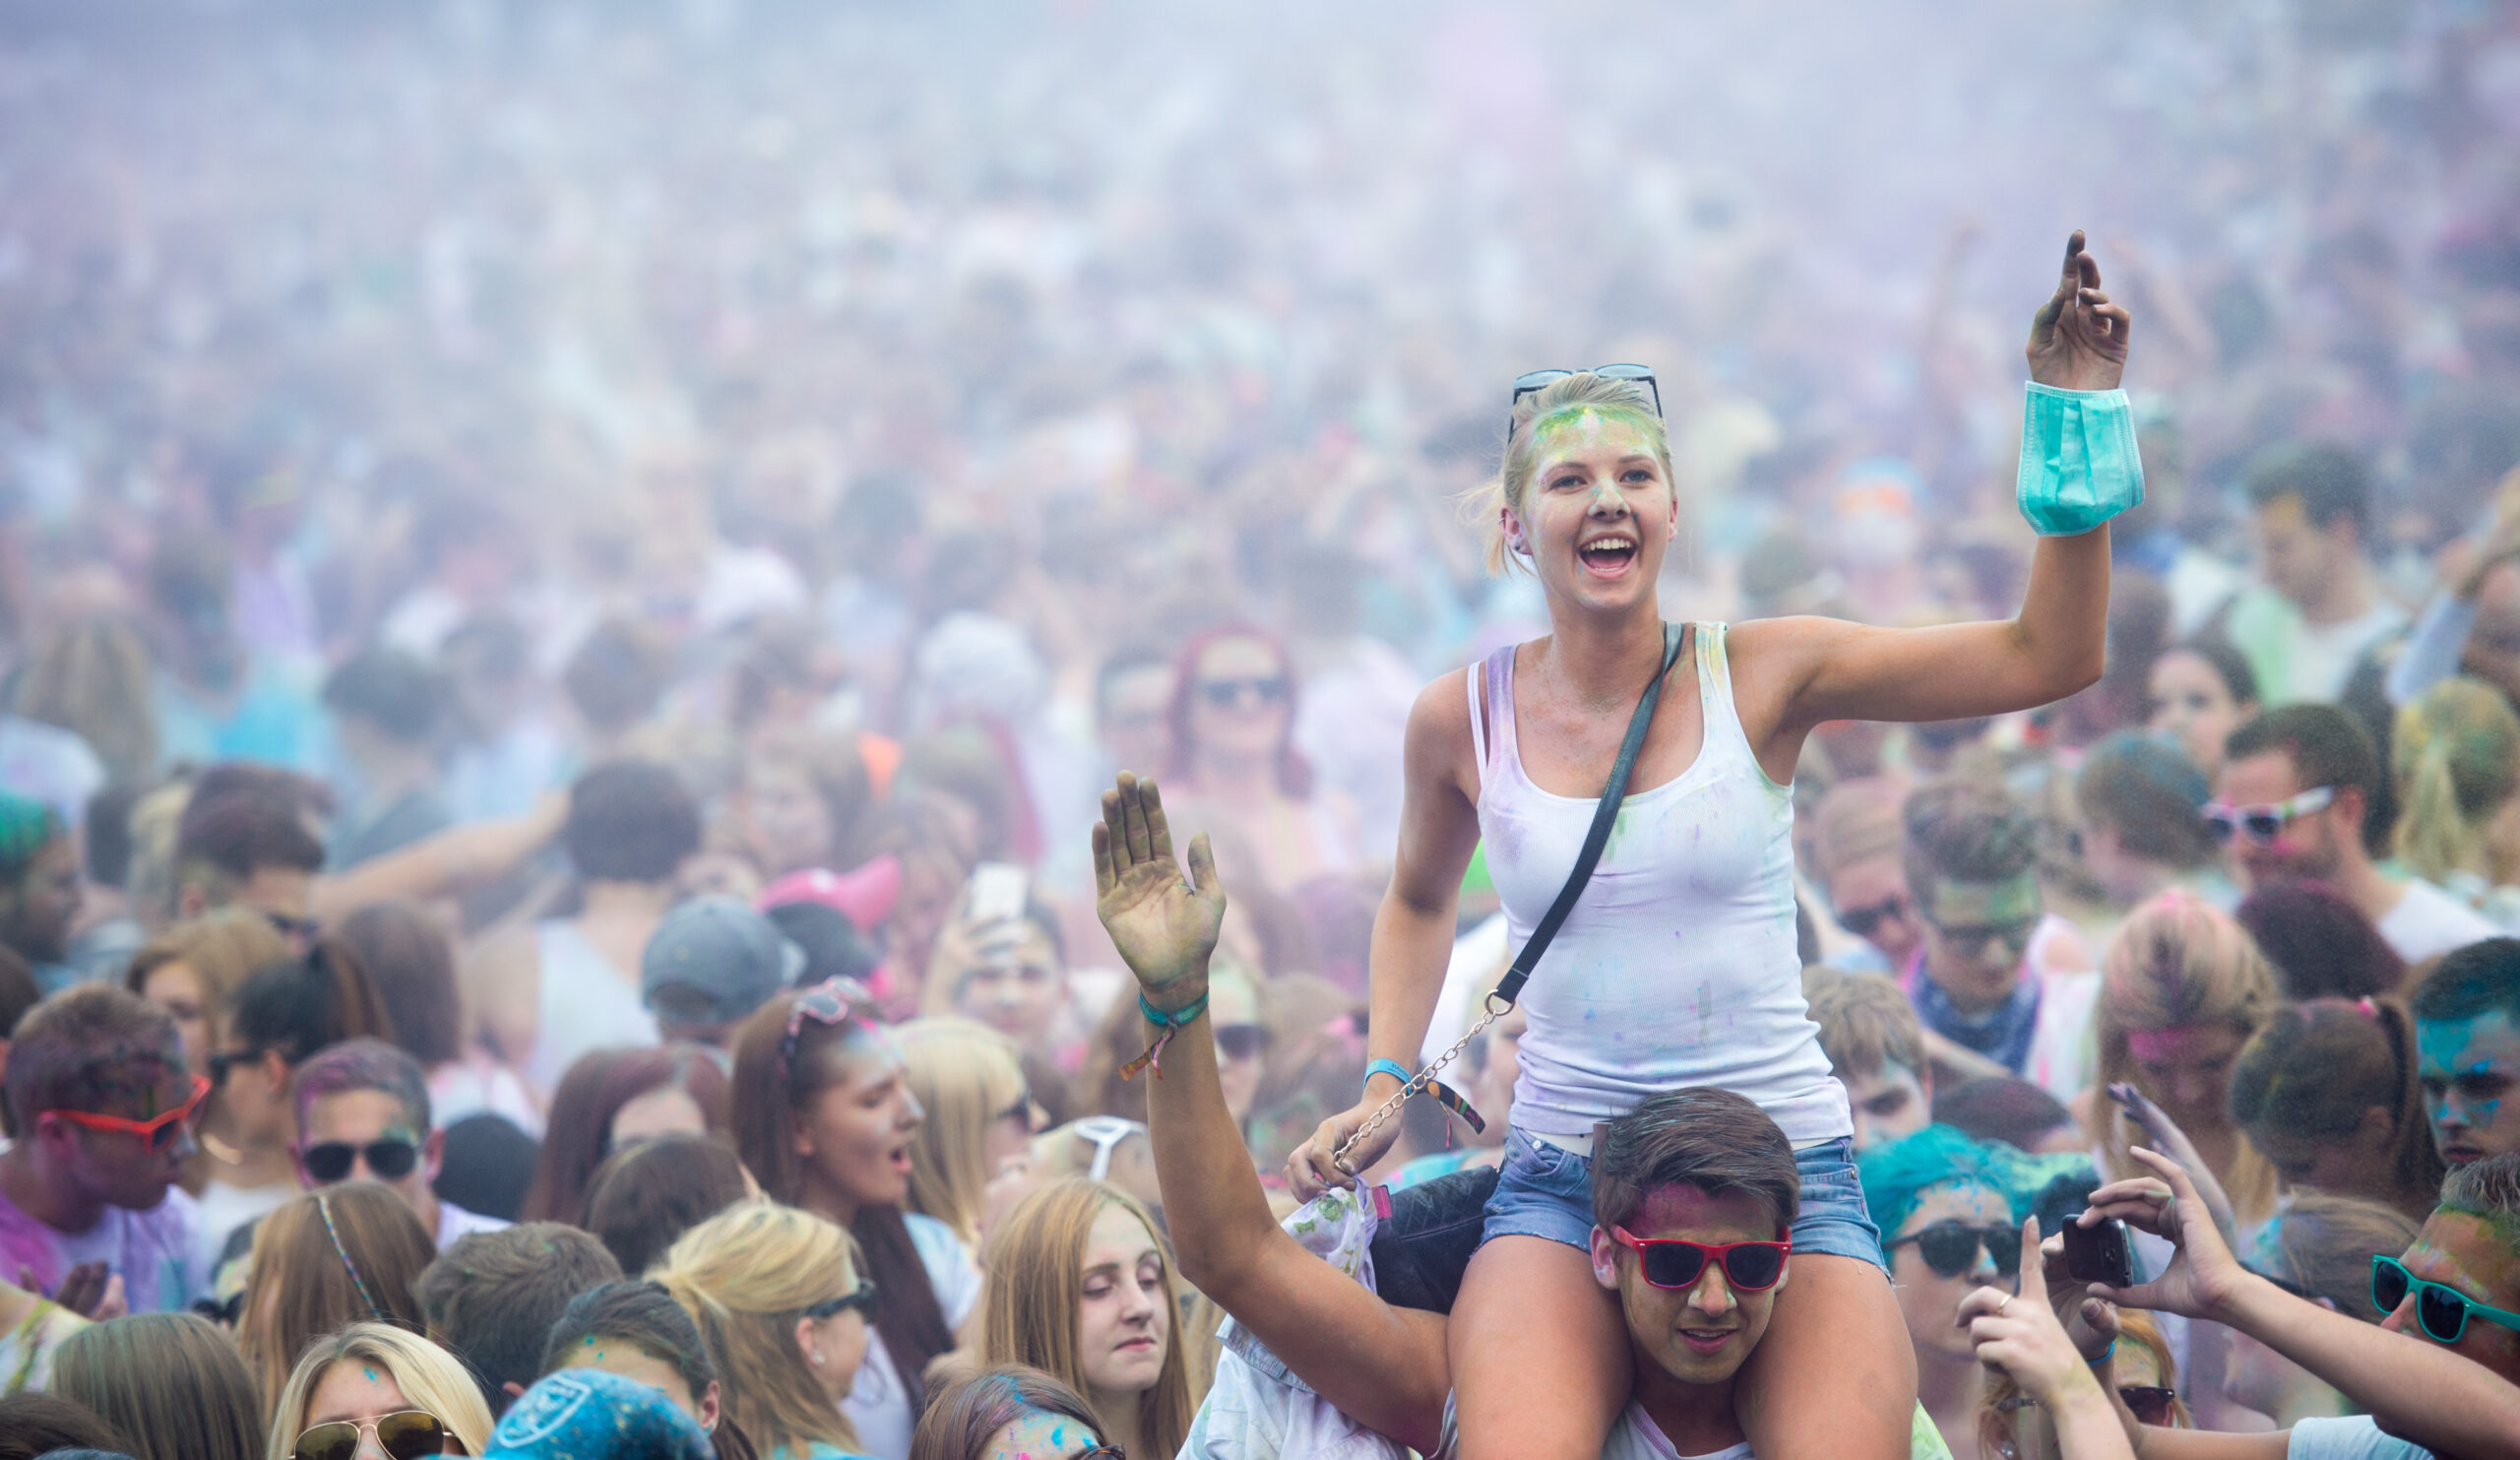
[(158, 1130), (1676, 1262)]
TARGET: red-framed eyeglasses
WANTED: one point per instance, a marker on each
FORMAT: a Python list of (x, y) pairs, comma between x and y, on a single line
[(1677, 1262), (158, 1130)]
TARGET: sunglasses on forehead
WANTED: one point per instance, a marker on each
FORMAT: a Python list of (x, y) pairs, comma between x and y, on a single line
[(158, 1132), (835, 1000), (1533, 381)]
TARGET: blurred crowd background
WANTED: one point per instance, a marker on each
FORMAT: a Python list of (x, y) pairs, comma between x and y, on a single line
[(583, 518)]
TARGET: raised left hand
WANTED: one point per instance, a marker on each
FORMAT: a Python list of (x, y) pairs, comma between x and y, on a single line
[(2027, 1342), (1164, 926), (2078, 338)]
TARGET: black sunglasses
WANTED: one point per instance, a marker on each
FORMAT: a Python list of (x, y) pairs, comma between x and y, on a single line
[(861, 1298), (1532, 383), (1241, 1040), (1862, 920), (387, 1160), (227, 1060), (2150, 1403), (1950, 1249)]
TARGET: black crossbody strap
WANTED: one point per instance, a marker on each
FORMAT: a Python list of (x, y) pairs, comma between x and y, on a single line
[(1510, 987)]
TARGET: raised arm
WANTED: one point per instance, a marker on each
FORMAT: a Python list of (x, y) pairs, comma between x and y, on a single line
[(1381, 1365), (2418, 1390), (1817, 670), (1413, 930), (451, 860)]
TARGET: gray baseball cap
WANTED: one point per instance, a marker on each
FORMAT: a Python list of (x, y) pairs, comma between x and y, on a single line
[(713, 960)]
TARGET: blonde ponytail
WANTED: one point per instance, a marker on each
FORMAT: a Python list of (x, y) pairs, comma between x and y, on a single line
[(2456, 759)]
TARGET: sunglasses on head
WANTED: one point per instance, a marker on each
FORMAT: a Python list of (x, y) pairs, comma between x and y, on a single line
[(1862, 920), (158, 1131), (2263, 824), (1225, 694), (404, 1434), (861, 1298), (1677, 1262), (833, 1000), (386, 1159), (1241, 1040), (1950, 1249), (2443, 1312), (1105, 1132), (1532, 383)]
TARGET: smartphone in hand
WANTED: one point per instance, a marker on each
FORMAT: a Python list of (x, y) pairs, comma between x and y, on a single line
[(2102, 1253)]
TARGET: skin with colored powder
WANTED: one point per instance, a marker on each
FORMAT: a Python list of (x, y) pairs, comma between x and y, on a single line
[(2469, 1069), (1041, 1436), (1975, 936)]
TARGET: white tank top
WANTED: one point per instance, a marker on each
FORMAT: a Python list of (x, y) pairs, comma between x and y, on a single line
[(1678, 964), (585, 1005)]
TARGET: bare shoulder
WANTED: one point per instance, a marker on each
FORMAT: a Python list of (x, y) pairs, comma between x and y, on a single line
[(1438, 746), (1443, 707)]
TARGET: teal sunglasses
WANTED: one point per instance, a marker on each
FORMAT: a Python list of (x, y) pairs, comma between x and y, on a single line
[(2443, 1312)]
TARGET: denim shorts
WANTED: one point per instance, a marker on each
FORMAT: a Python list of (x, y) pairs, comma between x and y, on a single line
[(1546, 1190)]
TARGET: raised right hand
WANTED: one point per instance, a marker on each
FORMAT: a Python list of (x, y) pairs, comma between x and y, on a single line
[(1312, 1170), (2202, 1275), (1164, 926)]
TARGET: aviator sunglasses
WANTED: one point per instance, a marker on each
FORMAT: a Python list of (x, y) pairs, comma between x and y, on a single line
[(158, 1132), (2443, 1312), (1950, 1249), (1676, 1262), (404, 1434), (1534, 382)]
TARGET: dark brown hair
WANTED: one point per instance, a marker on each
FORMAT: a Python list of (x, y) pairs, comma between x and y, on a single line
[(1712, 1140), (2312, 1070), (324, 1260), (412, 965), (2321, 944), (640, 1200), (492, 1299), (965, 1416), (34, 1424), (578, 1136), (768, 1091)]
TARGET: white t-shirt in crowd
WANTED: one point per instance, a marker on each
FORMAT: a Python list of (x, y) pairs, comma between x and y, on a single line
[(879, 1404), (2353, 1439), (2429, 921), (2296, 659), (223, 1208), (454, 1224)]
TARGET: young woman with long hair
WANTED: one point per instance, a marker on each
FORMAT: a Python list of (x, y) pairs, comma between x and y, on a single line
[(1080, 1286), (170, 1383), (1678, 964), (614, 1097), (643, 1199), (337, 1255), (2322, 1246), (1234, 763), (780, 1298), (826, 1122), (970, 1080), (2183, 989), (1009, 1410), (369, 1381), (2329, 1092)]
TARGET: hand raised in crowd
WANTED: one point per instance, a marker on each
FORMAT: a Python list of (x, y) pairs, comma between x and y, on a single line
[(2091, 1322), (2078, 338), (2173, 1142), (2202, 1275), (2027, 1343), (1164, 926)]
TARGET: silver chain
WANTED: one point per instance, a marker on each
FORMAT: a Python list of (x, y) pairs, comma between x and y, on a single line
[(1417, 1082)]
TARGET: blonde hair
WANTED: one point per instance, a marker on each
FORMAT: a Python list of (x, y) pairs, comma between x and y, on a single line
[(221, 948), (1866, 1022), (429, 1377), (966, 1076), (1037, 1284), (324, 1258), (1581, 390), (745, 1276), (93, 677), (2456, 760), (2180, 961)]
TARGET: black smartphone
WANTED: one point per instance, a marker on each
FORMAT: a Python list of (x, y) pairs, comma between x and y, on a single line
[(2102, 1253)]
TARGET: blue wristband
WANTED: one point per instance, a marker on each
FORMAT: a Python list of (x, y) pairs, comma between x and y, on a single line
[(1177, 1018), (2079, 465), (1391, 1067)]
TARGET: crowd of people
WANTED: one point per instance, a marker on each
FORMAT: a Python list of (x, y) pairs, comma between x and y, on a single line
[(581, 862)]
